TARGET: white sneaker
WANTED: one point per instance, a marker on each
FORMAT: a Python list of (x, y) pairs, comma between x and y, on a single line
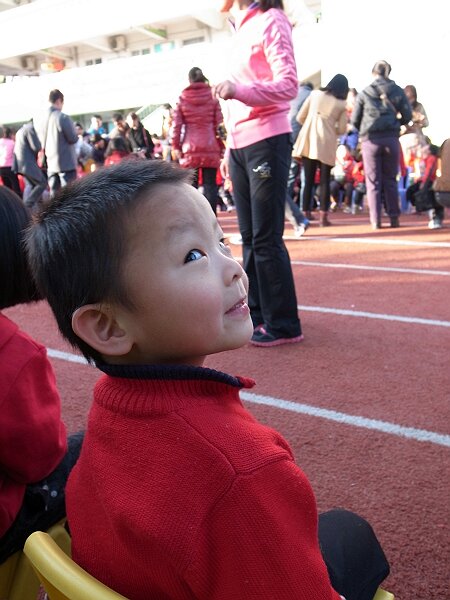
[(299, 230), (434, 224)]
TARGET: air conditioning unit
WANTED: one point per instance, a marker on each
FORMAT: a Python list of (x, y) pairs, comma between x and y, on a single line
[(118, 43), (28, 62)]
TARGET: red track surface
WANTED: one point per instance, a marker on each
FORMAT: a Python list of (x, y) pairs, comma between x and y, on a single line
[(387, 370)]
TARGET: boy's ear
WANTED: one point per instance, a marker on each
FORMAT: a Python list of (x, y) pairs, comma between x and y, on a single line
[(96, 325)]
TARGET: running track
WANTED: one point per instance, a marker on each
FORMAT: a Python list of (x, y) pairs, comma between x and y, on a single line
[(364, 400)]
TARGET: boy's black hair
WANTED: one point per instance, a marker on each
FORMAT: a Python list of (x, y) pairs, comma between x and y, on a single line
[(77, 245), (17, 283)]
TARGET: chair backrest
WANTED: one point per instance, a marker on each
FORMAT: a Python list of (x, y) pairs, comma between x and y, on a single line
[(61, 577), (383, 595), (18, 581)]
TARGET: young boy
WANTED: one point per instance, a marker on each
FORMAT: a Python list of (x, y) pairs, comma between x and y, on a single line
[(178, 493)]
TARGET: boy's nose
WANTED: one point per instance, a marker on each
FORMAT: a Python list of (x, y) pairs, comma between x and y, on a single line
[(233, 270)]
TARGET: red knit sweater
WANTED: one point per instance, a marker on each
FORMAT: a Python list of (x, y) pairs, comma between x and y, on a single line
[(180, 494), (32, 435)]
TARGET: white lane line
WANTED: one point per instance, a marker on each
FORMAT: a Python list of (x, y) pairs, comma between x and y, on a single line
[(392, 242), (75, 358), (420, 435), (370, 268), (368, 315), (237, 240)]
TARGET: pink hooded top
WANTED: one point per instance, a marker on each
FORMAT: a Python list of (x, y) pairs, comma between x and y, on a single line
[(265, 76)]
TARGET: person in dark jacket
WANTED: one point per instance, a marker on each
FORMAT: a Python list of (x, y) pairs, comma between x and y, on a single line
[(139, 137), (25, 153), (58, 138), (195, 141), (380, 110)]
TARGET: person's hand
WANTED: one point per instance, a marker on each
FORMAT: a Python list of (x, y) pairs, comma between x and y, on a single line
[(224, 171), (225, 90), (225, 5)]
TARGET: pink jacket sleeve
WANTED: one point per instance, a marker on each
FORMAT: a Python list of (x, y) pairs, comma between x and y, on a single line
[(279, 53)]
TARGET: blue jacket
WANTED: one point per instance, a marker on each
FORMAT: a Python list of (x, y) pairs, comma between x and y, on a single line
[(296, 104)]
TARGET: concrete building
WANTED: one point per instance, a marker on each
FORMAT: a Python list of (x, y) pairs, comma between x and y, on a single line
[(109, 55)]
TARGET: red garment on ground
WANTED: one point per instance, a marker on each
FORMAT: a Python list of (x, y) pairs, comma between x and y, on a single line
[(33, 437), (180, 493)]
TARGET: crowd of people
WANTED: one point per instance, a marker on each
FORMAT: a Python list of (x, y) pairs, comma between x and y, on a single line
[(171, 462), (345, 149)]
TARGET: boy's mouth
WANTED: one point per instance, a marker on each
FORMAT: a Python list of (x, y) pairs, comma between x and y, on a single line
[(238, 307)]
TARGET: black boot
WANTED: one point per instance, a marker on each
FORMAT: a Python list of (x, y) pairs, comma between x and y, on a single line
[(395, 222)]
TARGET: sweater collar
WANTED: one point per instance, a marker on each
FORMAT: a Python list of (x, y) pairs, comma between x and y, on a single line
[(141, 390), (172, 372)]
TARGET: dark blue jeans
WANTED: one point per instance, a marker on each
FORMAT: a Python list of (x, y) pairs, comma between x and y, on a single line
[(259, 175), (381, 158)]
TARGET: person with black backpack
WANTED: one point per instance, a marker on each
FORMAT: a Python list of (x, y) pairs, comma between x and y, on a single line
[(380, 110)]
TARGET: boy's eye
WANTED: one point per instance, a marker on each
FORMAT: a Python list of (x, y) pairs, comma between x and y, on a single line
[(193, 255)]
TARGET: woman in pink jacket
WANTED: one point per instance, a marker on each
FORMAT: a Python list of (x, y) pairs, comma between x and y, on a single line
[(195, 140), (263, 81)]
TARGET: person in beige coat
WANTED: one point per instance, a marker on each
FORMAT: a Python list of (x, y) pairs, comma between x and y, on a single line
[(441, 187), (323, 118)]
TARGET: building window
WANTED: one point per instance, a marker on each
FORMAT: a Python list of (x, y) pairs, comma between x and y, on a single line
[(164, 46), (140, 52), (196, 40), (93, 61)]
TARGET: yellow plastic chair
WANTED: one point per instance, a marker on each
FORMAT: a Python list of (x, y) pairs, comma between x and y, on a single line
[(383, 595), (18, 581), (61, 577)]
